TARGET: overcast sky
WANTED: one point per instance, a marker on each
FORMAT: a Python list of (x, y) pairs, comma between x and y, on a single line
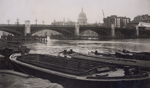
[(48, 10)]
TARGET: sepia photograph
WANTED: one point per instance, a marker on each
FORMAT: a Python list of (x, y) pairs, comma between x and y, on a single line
[(74, 43)]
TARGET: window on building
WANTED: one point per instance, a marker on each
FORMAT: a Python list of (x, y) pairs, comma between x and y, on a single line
[(118, 22)]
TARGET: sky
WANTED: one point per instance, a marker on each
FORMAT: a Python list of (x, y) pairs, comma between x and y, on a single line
[(50, 10)]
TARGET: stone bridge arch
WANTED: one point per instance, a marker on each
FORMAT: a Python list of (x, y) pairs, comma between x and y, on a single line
[(88, 30), (99, 31), (11, 31), (60, 30), (125, 33)]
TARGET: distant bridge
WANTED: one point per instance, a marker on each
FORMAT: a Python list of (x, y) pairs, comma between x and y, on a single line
[(23, 29)]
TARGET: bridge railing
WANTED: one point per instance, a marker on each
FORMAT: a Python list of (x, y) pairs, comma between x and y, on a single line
[(12, 24), (92, 26), (41, 25), (46, 25)]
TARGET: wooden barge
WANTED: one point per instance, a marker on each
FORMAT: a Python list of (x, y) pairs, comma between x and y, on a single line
[(79, 71)]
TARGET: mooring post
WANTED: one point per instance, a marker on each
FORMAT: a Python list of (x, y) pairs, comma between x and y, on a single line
[(137, 31)]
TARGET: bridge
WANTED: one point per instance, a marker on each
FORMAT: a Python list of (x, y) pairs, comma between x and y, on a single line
[(74, 30)]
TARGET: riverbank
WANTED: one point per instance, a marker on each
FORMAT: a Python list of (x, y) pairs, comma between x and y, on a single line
[(12, 79)]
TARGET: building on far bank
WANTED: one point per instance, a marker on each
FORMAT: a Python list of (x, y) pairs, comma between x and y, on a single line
[(69, 22), (139, 18), (119, 22), (82, 20)]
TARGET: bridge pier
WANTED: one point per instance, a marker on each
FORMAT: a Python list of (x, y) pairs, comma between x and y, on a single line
[(27, 28), (77, 29), (113, 30), (137, 31)]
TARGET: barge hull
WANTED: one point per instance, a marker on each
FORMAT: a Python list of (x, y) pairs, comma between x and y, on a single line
[(75, 83)]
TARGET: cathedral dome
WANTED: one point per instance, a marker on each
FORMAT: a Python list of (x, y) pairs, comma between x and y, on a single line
[(82, 15), (82, 20)]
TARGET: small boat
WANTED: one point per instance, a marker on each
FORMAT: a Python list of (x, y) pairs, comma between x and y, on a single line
[(101, 54), (7, 51), (133, 55), (125, 54), (79, 72), (114, 60)]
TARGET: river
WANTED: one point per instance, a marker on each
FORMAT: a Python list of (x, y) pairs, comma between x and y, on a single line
[(85, 46)]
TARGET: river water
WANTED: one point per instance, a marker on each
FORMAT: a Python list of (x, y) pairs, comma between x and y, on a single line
[(85, 46)]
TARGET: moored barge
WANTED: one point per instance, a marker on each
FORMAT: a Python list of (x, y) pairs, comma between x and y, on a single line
[(126, 54), (76, 72)]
